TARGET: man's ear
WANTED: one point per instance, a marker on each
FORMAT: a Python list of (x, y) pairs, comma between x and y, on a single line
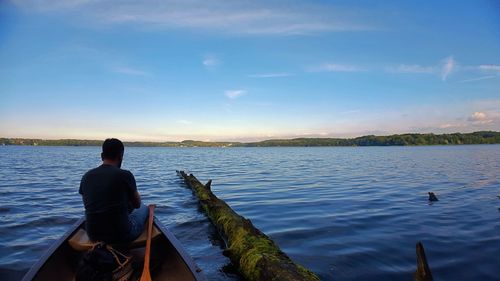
[(102, 156)]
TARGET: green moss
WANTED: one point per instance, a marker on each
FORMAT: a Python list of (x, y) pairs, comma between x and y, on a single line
[(248, 265), (307, 273), (256, 256)]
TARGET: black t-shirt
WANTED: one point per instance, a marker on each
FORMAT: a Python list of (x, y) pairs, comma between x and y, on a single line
[(107, 191)]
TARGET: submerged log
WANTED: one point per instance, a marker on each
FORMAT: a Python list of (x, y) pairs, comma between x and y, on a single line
[(423, 272), (432, 197), (255, 255)]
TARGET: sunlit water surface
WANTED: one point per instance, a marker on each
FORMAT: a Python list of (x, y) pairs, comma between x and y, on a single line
[(350, 213)]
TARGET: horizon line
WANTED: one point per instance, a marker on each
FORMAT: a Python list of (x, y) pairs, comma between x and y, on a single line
[(245, 142)]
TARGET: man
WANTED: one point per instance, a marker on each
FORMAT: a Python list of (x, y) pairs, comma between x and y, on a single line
[(110, 196)]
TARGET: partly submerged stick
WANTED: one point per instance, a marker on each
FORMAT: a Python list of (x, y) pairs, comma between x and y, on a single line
[(255, 255), (146, 275), (423, 272)]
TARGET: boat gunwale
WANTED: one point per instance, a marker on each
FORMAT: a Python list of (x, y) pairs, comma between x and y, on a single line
[(187, 259), (35, 268)]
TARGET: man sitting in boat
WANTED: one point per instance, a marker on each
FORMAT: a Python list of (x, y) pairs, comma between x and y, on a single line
[(113, 209)]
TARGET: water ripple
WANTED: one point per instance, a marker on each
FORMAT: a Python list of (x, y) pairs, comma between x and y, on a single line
[(351, 213)]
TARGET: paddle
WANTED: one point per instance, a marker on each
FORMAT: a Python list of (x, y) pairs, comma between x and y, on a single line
[(146, 275)]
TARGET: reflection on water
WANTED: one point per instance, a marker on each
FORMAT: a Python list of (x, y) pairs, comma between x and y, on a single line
[(346, 213)]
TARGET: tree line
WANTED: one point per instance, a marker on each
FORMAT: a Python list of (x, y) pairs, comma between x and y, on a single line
[(483, 137)]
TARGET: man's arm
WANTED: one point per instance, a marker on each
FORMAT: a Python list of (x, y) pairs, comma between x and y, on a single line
[(136, 200), (134, 197)]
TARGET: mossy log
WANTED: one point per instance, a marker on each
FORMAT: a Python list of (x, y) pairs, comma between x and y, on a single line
[(255, 255), (423, 272)]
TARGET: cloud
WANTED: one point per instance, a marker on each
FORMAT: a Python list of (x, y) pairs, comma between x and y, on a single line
[(130, 71), (333, 67), (239, 17), (354, 111), (489, 68), (51, 5), (478, 78), (270, 75), (210, 61), (411, 68), (449, 65), (451, 126), (233, 94), (184, 122), (444, 69), (480, 118)]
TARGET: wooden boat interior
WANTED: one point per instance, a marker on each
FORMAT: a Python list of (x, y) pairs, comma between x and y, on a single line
[(168, 259)]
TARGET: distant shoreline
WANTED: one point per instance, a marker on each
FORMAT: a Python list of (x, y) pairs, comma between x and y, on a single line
[(482, 137)]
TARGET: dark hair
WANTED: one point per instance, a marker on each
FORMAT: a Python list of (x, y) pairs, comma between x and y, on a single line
[(112, 149)]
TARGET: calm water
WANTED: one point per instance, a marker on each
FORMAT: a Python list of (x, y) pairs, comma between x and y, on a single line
[(345, 213)]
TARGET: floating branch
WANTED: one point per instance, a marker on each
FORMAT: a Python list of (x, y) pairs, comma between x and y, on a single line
[(432, 197), (255, 255)]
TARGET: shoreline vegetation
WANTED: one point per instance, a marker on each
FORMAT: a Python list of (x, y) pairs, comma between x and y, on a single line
[(482, 137)]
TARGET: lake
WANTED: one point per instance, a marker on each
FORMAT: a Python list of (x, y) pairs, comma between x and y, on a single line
[(346, 213)]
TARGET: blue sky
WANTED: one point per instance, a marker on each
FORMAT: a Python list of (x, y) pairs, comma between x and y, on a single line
[(247, 70)]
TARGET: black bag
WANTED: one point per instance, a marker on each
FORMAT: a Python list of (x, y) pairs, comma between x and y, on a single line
[(103, 263)]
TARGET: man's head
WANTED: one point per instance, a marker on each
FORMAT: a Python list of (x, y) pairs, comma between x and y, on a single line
[(112, 151)]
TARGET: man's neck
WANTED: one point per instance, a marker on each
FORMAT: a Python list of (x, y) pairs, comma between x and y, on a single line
[(110, 162)]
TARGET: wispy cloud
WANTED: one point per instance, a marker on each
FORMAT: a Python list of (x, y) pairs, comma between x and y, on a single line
[(478, 78), (442, 69), (451, 126), (210, 61), (130, 71), (240, 17), (354, 111), (449, 65), (270, 75), (411, 68), (233, 94), (184, 122), (490, 68), (51, 5), (334, 67)]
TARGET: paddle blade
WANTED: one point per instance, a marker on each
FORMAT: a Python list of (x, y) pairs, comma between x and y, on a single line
[(146, 275)]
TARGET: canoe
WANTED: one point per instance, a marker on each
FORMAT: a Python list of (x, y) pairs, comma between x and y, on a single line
[(169, 261)]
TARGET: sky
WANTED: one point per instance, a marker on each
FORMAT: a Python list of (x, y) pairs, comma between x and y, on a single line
[(247, 70)]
